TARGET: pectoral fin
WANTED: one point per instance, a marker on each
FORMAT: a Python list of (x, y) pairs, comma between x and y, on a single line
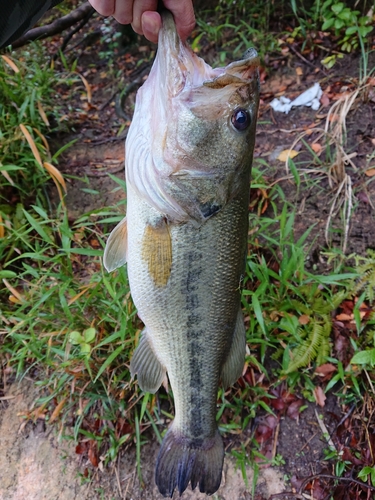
[(146, 365), (116, 247), (157, 252), (233, 366)]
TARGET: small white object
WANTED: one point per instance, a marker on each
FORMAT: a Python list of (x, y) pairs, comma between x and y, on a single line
[(310, 98)]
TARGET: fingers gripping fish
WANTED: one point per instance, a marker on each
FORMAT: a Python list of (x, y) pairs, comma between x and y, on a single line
[(188, 161)]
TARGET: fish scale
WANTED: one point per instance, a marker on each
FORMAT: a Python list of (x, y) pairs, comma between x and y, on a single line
[(185, 241)]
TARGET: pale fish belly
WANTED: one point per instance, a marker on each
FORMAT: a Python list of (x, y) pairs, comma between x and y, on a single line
[(190, 311)]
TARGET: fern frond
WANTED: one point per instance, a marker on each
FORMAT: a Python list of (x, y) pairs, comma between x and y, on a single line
[(308, 350), (338, 298), (297, 305), (367, 271), (324, 351), (277, 354), (370, 336)]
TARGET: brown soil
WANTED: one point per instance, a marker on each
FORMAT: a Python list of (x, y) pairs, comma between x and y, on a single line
[(38, 464)]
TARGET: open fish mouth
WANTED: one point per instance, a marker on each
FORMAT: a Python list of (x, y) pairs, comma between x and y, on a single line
[(182, 68)]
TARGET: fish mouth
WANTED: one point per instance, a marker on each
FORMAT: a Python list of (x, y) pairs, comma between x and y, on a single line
[(182, 68)]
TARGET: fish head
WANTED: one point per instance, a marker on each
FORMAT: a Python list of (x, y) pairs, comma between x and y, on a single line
[(195, 126)]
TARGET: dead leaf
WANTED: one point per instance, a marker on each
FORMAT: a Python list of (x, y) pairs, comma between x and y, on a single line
[(10, 63), (344, 317), (277, 404), (81, 448), (370, 172), (324, 100), (304, 319), (92, 454), (87, 87), (42, 113), (57, 410), (293, 409), (319, 396), (32, 144), (15, 294), (7, 176), (363, 197), (325, 369), (316, 147), (287, 153)]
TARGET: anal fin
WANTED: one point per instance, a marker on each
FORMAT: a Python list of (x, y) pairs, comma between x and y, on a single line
[(146, 365), (233, 365), (116, 247)]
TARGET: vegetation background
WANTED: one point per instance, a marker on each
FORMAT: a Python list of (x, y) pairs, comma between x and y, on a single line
[(309, 289)]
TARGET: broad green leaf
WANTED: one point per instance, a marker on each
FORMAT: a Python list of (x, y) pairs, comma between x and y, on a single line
[(339, 23), (363, 357), (89, 335), (326, 4), (351, 30), (85, 349), (364, 30), (76, 338), (345, 15), (7, 274), (338, 8), (328, 24)]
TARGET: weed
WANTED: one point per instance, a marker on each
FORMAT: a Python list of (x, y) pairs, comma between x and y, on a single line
[(367, 473), (339, 17), (366, 271), (236, 27)]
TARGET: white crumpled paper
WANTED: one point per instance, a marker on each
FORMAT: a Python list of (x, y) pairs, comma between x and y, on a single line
[(310, 98)]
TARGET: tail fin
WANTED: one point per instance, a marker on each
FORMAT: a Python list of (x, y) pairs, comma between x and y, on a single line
[(181, 460)]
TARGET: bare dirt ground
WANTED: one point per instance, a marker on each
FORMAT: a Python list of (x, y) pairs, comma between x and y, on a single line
[(37, 463)]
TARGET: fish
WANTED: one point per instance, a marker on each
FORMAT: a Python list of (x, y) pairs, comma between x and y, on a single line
[(189, 153)]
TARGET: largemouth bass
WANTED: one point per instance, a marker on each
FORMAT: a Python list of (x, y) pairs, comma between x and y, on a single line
[(188, 161)]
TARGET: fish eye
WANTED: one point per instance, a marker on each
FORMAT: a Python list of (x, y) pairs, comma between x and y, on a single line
[(240, 119)]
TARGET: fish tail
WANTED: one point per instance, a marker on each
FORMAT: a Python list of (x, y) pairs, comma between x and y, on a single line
[(182, 459)]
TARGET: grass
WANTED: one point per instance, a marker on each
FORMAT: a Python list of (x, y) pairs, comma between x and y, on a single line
[(71, 326)]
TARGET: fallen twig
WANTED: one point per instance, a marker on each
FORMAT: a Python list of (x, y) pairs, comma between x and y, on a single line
[(325, 431), (75, 30), (55, 27)]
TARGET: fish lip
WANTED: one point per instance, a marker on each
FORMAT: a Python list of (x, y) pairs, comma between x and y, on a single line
[(180, 67), (168, 36), (172, 55)]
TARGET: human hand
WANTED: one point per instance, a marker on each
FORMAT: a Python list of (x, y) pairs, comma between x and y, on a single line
[(143, 15)]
